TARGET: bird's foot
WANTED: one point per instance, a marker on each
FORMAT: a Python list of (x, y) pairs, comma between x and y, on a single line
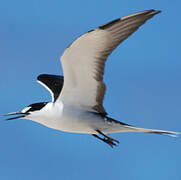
[(107, 139)]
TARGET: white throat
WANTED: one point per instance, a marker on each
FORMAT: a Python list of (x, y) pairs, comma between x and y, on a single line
[(49, 115)]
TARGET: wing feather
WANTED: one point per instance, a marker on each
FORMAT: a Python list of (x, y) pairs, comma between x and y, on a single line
[(84, 60), (52, 83)]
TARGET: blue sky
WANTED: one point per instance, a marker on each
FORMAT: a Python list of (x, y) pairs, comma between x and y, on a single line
[(143, 76)]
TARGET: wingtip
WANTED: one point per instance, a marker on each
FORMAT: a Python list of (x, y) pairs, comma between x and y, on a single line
[(155, 11), (151, 12), (147, 13)]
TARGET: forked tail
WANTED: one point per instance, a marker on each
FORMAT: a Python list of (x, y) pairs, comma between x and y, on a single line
[(117, 126), (167, 133), (123, 127)]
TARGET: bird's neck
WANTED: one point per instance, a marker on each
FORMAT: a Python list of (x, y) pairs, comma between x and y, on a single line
[(48, 115)]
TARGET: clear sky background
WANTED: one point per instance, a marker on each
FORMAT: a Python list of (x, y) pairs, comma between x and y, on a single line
[(144, 89)]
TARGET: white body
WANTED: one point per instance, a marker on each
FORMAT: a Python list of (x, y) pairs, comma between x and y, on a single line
[(74, 119), (79, 120)]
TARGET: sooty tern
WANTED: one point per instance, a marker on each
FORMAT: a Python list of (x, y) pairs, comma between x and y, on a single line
[(77, 98)]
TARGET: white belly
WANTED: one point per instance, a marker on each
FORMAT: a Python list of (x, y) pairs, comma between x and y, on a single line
[(79, 121), (67, 118), (73, 119)]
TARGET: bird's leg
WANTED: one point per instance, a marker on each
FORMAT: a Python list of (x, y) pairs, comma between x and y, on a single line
[(107, 139)]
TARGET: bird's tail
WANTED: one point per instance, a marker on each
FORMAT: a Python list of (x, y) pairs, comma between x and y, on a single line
[(123, 127), (154, 131)]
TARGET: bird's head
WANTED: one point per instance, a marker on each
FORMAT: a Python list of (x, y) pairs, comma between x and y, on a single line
[(27, 111)]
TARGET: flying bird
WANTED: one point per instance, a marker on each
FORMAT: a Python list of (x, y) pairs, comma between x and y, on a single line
[(77, 98)]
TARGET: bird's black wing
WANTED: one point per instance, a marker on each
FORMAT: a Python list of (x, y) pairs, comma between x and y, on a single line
[(53, 83)]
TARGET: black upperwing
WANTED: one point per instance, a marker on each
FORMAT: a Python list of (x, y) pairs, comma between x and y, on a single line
[(53, 83)]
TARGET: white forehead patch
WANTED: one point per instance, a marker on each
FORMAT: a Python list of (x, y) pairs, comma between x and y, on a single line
[(26, 109)]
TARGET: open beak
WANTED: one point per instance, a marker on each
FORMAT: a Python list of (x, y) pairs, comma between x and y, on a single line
[(20, 115)]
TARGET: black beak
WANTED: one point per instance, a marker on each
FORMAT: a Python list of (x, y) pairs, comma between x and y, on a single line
[(21, 115)]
